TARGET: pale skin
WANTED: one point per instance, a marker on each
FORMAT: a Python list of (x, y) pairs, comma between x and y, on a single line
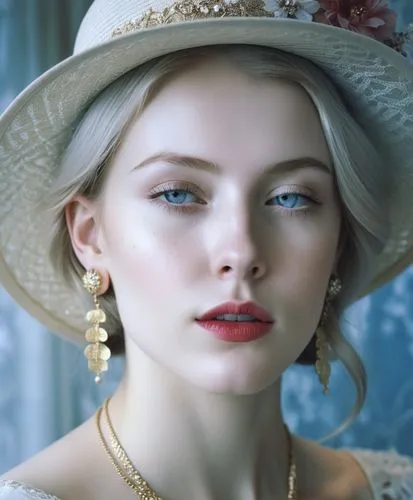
[(200, 417)]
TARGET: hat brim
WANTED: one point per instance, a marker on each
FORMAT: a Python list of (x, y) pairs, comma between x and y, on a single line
[(375, 79)]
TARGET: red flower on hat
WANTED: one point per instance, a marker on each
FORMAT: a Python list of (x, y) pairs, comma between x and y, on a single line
[(369, 17)]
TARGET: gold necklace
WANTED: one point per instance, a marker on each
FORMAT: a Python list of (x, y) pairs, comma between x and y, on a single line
[(124, 467)]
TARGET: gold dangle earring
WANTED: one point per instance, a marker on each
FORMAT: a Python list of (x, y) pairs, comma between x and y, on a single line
[(96, 352), (322, 365)]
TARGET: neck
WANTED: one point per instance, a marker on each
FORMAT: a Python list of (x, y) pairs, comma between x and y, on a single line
[(189, 443)]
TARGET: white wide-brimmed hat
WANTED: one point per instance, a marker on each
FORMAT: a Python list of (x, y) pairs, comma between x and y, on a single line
[(353, 44)]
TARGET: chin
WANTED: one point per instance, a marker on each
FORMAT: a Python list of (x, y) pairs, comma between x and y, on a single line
[(237, 378)]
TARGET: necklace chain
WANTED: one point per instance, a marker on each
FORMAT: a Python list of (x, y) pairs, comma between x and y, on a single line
[(135, 481), (126, 470)]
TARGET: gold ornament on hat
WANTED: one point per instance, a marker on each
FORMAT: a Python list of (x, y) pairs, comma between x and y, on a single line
[(322, 364), (97, 353), (290, 7), (358, 11), (192, 10)]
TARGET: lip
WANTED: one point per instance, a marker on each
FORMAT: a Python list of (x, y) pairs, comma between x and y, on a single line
[(250, 308), (237, 331)]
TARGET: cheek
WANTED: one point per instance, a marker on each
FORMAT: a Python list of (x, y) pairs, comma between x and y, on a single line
[(303, 263), (148, 259)]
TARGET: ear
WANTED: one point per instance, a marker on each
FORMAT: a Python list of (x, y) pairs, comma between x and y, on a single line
[(82, 220)]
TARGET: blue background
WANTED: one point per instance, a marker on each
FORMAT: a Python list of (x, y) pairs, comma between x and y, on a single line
[(45, 389)]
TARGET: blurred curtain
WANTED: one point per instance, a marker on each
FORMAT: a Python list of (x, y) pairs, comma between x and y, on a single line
[(45, 389)]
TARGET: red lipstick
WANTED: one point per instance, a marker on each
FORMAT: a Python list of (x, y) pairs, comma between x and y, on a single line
[(236, 322)]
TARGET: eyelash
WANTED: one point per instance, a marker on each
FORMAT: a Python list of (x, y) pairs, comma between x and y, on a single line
[(157, 192), (297, 190)]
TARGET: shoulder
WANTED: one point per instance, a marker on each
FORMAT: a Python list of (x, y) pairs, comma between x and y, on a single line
[(14, 490), (57, 472), (390, 474)]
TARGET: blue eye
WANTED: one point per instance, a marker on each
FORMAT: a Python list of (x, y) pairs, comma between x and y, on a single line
[(178, 196), (291, 200)]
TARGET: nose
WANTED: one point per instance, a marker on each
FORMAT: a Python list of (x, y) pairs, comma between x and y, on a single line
[(237, 254)]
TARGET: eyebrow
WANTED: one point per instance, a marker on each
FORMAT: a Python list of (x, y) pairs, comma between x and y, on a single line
[(207, 166)]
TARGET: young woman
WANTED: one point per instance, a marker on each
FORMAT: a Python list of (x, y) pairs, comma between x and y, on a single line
[(223, 183)]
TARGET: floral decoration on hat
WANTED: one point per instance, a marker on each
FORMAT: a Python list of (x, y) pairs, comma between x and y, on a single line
[(302, 10), (402, 42), (372, 18), (368, 17)]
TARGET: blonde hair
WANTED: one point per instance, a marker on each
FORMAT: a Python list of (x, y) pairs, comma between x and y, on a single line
[(358, 172)]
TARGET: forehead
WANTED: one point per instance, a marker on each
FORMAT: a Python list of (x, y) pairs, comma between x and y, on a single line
[(217, 112)]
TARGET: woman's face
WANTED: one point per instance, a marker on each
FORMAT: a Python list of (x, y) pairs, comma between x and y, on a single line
[(220, 191)]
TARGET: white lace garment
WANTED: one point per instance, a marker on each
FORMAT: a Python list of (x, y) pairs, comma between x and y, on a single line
[(390, 476)]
